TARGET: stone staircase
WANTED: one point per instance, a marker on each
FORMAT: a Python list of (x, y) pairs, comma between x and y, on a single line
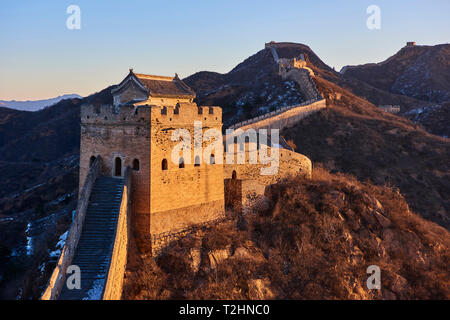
[(94, 250), (274, 54)]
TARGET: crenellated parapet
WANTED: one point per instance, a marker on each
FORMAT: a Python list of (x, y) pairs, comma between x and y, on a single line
[(109, 114), (186, 114)]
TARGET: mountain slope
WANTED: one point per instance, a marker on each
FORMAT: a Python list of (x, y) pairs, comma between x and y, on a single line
[(38, 190), (40, 150), (312, 239), (253, 87), (421, 72), (358, 138), (354, 136)]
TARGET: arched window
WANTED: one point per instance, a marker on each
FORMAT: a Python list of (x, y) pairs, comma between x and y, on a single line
[(91, 161), (233, 175), (181, 163), (197, 161), (212, 160), (136, 164), (118, 167), (164, 164)]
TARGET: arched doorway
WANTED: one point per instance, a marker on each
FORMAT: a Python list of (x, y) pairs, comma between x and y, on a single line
[(118, 167), (91, 161), (197, 161), (164, 164), (136, 165)]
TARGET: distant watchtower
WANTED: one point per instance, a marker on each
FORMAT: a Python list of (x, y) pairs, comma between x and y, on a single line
[(411, 44), (136, 131)]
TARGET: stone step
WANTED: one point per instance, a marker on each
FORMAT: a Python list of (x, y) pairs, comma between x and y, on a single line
[(94, 250)]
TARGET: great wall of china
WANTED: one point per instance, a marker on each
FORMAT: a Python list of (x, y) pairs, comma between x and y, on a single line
[(292, 69), (114, 194)]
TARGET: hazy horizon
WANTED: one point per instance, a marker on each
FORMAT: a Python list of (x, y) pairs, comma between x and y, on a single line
[(43, 59)]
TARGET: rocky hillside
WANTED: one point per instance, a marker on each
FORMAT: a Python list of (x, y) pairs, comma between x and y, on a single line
[(40, 153), (38, 191), (252, 87), (311, 239), (355, 136), (231, 90), (435, 118), (421, 72)]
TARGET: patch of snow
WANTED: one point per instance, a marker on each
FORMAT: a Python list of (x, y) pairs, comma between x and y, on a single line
[(19, 294), (34, 187), (59, 246), (62, 240), (276, 145), (95, 293), (61, 199), (29, 245)]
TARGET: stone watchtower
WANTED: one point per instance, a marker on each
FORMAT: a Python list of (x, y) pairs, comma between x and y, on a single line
[(167, 196)]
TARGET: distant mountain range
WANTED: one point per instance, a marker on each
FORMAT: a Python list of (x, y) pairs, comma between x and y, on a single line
[(352, 135), (420, 72), (35, 105), (40, 150)]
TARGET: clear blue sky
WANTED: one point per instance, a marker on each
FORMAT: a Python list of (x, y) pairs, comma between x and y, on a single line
[(41, 58)]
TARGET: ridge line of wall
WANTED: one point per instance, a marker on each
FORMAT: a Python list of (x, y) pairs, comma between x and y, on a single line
[(305, 107)]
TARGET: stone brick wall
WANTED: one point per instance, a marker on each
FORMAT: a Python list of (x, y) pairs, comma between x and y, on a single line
[(181, 197), (287, 64), (58, 278), (165, 101), (244, 183), (114, 280), (290, 164), (282, 118), (390, 108), (125, 135), (303, 77), (233, 194), (162, 200), (241, 195)]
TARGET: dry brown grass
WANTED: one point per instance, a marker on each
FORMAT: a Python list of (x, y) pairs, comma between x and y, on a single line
[(316, 240), (354, 136)]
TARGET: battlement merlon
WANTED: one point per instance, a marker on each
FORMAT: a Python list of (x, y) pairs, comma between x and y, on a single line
[(270, 44), (109, 114), (137, 113), (187, 113)]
